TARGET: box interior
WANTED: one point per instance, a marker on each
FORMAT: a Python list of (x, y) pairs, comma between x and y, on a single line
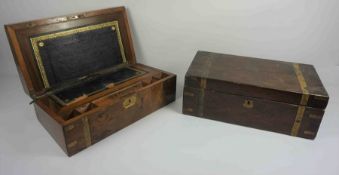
[(96, 85), (104, 95)]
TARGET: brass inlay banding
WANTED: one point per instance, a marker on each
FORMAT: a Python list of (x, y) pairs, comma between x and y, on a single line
[(203, 85), (320, 98), (201, 101), (303, 84), (312, 116), (303, 101), (69, 127), (297, 122), (72, 144), (189, 94), (189, 109), (38, 42), (309, 133), (86, 131)]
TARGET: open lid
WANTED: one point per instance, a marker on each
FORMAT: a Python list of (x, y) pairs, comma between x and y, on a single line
[(51, 51), (280, 81)]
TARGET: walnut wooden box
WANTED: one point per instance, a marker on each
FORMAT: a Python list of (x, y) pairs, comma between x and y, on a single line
[(277, 96), (82, 73)]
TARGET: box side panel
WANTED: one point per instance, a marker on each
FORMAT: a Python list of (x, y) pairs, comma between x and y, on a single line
[(19, 60), (78, 134), (252, 112), (314, 86), (54, 128)]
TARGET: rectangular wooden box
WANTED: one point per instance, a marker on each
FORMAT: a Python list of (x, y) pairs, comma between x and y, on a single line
[(82, 73), (277, 96)]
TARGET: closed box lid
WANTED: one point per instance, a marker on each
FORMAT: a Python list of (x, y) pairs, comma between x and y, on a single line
[(280, 81)]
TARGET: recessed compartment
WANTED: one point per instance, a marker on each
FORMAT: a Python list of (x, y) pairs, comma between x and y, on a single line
[(115, 93)]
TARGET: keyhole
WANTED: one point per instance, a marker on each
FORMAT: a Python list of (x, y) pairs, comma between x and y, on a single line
[(129, 102), (248, 104)]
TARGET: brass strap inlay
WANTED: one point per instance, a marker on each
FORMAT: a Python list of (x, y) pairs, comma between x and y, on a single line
[(38, 42), (298, 119), (303, 85), (313, 116), (309, 133), (189, 94), (303, 101), (86, 131), (201, 102), (203, 85), (72, 144), (69, 127), (189, 109)]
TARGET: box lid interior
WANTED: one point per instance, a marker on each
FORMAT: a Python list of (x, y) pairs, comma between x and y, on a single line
[(279, 81), (56, 50)]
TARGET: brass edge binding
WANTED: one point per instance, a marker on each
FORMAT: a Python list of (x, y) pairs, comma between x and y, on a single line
[(36, 43), (303, 100), (87, 132)]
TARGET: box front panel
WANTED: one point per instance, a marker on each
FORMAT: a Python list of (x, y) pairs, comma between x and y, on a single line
[(257, 113), (117, 111)]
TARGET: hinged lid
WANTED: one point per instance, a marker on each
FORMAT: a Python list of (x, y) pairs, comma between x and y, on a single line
[(265, 79), (51, 51)]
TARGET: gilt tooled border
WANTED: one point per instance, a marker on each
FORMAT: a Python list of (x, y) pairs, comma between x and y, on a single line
[(36, 40)]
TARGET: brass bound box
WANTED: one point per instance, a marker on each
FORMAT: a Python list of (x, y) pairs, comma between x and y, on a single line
[(277, 96), (82, 74)]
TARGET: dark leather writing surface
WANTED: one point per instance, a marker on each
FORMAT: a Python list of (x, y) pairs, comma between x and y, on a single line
[(96, 85), (68, 57)]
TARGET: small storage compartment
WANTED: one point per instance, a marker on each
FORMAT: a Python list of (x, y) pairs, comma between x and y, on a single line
[(96, 85)]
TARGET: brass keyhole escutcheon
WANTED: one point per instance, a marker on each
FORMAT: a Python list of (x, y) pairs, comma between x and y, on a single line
[(248, 104), (129, 101)]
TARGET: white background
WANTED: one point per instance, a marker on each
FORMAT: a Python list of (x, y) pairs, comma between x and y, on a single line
[(167, 35)]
